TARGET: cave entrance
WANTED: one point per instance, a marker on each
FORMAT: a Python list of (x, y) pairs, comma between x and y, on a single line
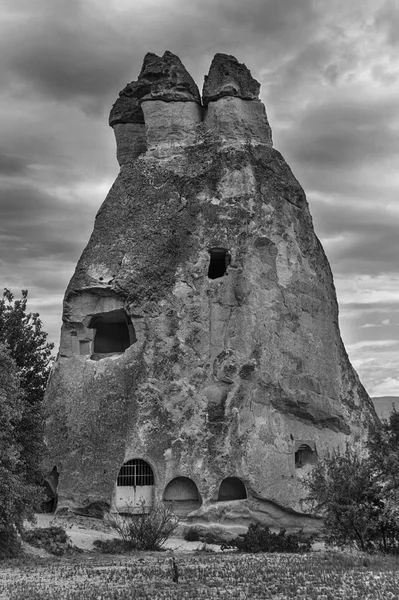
[(220, 259), (305, 454), (114, 332), (135, 486), (182, 495), (232, 488)]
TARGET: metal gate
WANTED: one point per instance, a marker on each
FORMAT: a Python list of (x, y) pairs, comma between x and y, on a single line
[(135, 486)]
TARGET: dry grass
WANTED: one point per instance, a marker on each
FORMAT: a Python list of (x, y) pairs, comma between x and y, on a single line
[(150, 576)]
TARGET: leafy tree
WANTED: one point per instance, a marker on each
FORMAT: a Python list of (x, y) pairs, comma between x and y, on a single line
[(346, 489), (26, 341), (18, 499), (383, 447)]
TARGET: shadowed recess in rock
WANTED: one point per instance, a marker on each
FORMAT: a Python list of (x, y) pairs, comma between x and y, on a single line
[(114, 332), (182, 495), (232, 488), (220, 259), (305, 455)]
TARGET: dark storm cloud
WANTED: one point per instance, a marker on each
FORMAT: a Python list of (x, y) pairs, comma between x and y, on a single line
[(72, 50), (65, 51), (262, 18), (41, 237), (344, 133), (359, 237), (11, 165), (42, 224)]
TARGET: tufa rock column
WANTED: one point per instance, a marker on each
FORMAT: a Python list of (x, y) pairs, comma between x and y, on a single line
[(231, 97), (201, 362), (127, 120)]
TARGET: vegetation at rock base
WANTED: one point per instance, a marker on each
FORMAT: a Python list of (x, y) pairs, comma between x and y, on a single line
[(322, 576), (147, 530), (357, 492), (52, 539), (383, 448), (259, 538), (24, 364), (22, 333), (18, 498), (191, 534)]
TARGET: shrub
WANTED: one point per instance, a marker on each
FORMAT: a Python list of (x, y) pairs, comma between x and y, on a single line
[(10, 545), (214, 536), (259, 538), (347, 490), (191, 534), (18, 498), (52, 539), (148, 530)]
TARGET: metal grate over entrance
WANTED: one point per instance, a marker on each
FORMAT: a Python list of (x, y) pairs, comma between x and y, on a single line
[(135, 473)]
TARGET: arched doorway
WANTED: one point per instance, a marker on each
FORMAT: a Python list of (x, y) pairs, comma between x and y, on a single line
[(135, 486), (305, 454), (182, 495), (232, 488)]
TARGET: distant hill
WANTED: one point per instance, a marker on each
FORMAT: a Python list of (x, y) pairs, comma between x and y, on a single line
[(383, 405)]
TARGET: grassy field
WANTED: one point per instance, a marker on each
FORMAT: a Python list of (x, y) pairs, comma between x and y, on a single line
[(322, 576)]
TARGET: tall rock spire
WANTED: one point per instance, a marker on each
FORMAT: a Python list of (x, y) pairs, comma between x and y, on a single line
[(200, 360)]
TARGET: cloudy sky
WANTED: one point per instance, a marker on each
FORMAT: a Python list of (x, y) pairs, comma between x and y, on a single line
[(330, 81)]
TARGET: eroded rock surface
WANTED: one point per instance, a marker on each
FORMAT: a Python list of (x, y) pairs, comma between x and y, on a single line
[(163, 78), (200, 346), (228, 77)]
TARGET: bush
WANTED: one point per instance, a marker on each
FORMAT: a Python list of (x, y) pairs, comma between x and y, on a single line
[(10, 544), (52, 539), (259, 538), (347, 490), (215, 536), (18, 498), (148, 530), (191, 534)]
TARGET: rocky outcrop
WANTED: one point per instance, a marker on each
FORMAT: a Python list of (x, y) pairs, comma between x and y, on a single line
[(200, 346), (163, 78), (228, 77), (166, 98)]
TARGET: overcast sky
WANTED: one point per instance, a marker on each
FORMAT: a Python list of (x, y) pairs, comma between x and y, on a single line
[(329, 72)]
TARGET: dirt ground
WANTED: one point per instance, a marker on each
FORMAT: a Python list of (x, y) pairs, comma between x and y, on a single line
[(83, 531)]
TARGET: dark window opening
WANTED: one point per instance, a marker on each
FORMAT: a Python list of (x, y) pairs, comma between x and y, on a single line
[(304, 455), (114, 332), (232, 488), (220, 260), (135, 472), (182, 495)]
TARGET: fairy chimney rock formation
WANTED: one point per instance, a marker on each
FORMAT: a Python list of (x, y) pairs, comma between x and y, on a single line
[(231, 96), (200, 359)]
